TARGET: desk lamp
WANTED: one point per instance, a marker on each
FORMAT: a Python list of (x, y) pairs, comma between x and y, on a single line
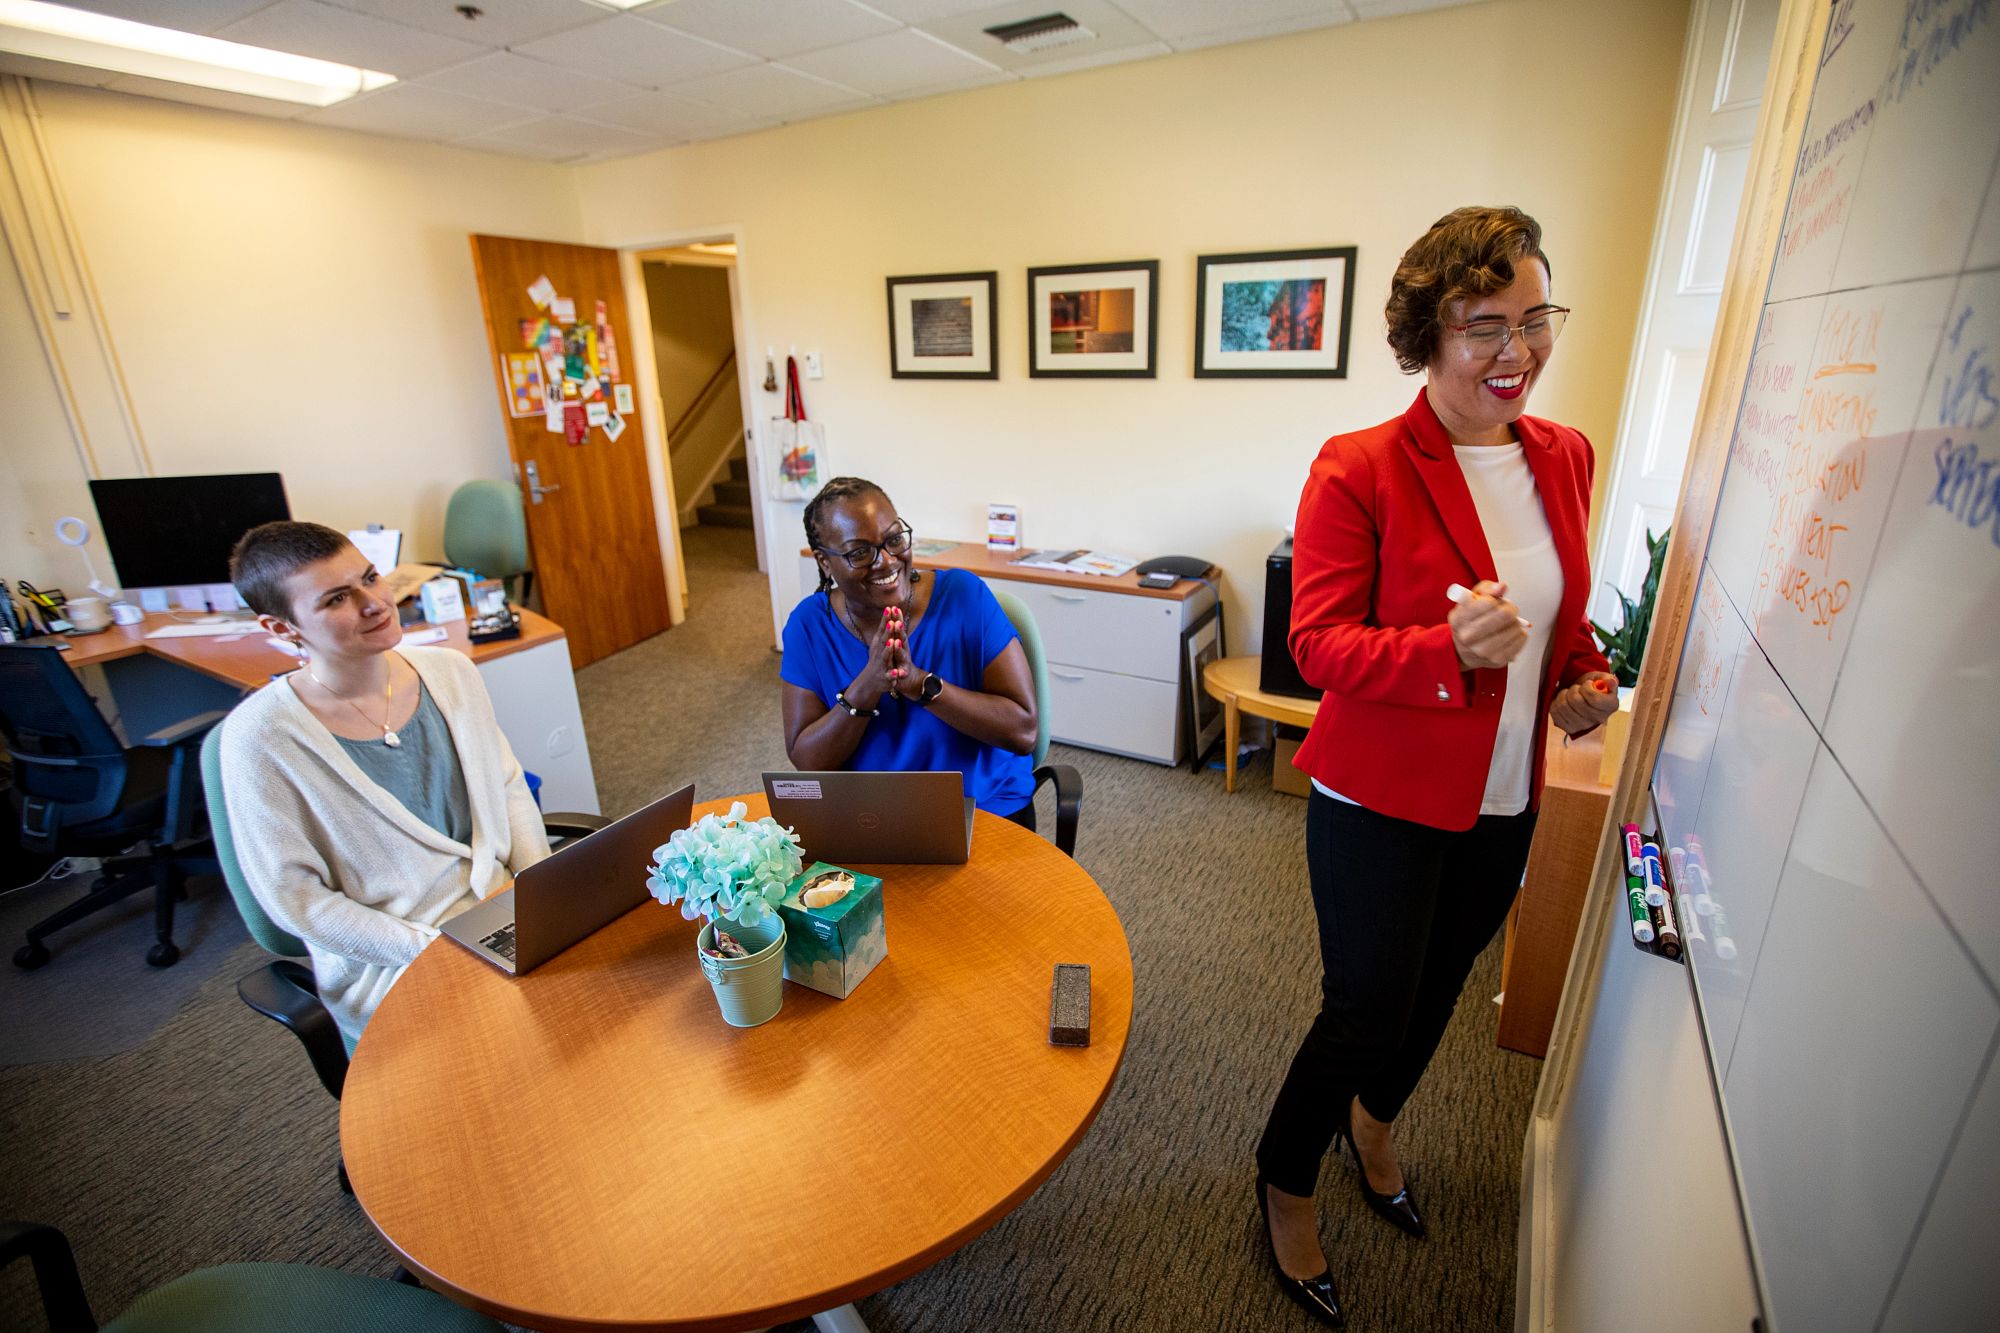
[(75, 532)]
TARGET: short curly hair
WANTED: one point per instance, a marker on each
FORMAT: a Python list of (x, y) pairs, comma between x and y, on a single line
[(1466, 254)]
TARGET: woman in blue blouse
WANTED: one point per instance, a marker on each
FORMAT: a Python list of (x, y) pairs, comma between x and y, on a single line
[(887, 669)]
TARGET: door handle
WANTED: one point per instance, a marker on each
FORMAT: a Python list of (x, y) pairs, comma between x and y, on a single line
[(535, 488)]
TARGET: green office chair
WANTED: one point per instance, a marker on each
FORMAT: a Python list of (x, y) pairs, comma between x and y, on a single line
[(237, 1298), (1068, 782), (284, 990), (485, 530)]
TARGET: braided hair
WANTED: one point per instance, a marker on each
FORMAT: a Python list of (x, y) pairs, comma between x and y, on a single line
[(840, 488)]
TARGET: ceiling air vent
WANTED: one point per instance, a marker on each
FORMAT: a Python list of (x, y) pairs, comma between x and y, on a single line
[(1027, 36)]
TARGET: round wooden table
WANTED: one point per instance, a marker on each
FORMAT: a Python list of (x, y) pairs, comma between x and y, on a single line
[(1234, 681), (591, 1146)]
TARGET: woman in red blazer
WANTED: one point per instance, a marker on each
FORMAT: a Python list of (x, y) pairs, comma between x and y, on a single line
[(1426, 754)]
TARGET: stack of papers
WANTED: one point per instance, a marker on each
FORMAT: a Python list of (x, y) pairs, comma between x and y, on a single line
[(1108, 563)]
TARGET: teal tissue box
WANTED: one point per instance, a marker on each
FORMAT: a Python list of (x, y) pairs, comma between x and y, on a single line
[(832, 948)]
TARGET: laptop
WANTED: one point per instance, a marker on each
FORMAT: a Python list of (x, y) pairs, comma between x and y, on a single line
[(584, 887), (892, 818)]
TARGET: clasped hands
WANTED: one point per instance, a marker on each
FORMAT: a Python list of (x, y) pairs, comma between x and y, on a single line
[(888, 669), (1487, 631)]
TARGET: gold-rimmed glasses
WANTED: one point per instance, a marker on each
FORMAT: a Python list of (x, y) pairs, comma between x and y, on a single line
[(1539, 331)]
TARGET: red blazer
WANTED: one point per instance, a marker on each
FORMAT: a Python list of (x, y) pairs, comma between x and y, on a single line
[(1386, 524)]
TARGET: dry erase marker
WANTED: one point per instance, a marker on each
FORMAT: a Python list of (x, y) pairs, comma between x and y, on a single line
[(1635, 900), (1635, 852), (1656, 877), (1668, 930), (1698, 873), (1690, 921), (1459, 593)]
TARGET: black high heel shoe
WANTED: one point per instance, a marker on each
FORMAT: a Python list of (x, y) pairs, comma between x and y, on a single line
[(1397, 1209), (1316, 1294)]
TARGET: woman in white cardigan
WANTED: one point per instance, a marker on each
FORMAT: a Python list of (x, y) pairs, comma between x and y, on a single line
[(371, 794)]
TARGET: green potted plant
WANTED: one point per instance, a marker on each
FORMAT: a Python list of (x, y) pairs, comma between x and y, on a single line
[(1625, 650), (1625, 647), (731, 873)]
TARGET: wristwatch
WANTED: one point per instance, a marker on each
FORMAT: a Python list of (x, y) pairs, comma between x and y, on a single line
[(932, 687)]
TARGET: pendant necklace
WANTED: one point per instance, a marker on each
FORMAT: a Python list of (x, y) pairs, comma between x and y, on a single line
[(389, 738)]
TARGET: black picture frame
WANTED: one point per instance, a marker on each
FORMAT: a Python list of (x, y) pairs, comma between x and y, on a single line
[(1333, 264), (906, 357), (1045, 361)]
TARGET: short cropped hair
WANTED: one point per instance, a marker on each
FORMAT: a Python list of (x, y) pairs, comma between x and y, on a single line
[(271, 553), (1468, 253)]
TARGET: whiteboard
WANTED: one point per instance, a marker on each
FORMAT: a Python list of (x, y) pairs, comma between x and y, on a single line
[(1830, 768)]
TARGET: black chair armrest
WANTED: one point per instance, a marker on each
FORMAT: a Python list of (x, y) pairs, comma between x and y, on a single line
[(284, 992), (55, 1274), (192, 729), (1069, 802), (573, 825)]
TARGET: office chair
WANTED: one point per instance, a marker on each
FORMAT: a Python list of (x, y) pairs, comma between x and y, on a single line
[(236, 1298), (486, 530), (284, 990), (1068, 782), (81, 793)]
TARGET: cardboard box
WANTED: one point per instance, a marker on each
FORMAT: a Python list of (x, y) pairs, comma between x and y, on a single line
[(831, 948), (1284, 777)]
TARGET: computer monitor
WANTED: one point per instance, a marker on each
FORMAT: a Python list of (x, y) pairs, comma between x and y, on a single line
[(177, 532)]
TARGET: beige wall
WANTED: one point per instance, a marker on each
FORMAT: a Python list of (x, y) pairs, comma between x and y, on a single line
[(692, 332), (281, 298), (1356, 135)]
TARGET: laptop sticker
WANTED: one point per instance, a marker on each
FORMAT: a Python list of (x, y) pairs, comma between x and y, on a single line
[(795, 790)]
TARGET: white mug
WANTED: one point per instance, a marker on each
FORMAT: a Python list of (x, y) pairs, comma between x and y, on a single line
[(124, 613), (88, 614)]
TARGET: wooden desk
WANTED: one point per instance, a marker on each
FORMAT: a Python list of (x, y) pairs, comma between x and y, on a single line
[(1541, 929), (152, 683), (592, 1147), (249, 661), (1234, 681)]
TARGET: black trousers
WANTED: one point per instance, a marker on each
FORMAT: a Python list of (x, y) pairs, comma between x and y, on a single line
[(1404, 910)]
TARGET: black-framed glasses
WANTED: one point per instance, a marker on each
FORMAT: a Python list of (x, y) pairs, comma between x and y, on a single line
[(1490, 336), (861, 555)]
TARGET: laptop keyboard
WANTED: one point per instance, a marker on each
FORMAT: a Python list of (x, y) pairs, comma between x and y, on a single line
[(501, 941)]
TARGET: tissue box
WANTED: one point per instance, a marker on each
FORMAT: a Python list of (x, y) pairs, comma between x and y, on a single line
[(832, 948)]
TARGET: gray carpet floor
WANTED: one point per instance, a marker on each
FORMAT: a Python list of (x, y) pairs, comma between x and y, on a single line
[(210, 1142)]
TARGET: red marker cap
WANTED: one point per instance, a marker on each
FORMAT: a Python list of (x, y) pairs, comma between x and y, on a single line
[(1600, 684)]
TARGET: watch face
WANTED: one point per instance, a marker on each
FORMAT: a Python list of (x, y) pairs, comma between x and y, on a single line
[(933, 686)]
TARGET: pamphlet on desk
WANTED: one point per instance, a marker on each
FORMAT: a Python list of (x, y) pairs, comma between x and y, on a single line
[(1107, 563)]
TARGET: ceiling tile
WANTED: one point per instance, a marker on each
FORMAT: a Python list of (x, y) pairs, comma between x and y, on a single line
[(1250, 32), (501, 22), (412, 112), (307, 28), (895, 63), (1173, 19), (215, 98), (1382, 9), (1115, 32), (771, 28), (519, 81), (1116, 55), (923, 11), (201, 16), (772, 90), (635, 52), (571, 137), (676, 117)]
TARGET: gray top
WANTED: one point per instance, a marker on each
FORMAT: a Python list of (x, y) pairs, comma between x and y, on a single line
[(423, 772)]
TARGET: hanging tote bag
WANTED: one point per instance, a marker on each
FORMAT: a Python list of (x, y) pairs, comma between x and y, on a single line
[(797, 445)]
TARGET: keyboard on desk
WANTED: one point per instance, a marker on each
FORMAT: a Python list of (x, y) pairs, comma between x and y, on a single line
[(501, 941)]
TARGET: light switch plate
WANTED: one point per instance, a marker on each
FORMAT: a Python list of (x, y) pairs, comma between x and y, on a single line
[(812, 365)]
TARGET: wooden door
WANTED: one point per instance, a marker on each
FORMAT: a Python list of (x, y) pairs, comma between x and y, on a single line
[(591, 523)]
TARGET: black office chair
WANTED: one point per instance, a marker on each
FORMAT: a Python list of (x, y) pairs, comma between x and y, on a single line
[(81, 793)]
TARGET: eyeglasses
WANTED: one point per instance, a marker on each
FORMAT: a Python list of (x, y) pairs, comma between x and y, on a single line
[(1489, 337), (862, 554)]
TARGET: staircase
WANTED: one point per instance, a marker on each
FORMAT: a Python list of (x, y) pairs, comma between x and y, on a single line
[(730, 506)]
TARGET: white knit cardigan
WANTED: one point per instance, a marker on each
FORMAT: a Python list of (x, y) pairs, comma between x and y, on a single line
[(340, 862)]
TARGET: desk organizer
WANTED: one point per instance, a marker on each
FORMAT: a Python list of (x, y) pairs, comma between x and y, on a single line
[(831, 948)]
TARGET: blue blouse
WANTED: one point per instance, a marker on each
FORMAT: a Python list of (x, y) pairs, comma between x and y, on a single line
[(961, 632)]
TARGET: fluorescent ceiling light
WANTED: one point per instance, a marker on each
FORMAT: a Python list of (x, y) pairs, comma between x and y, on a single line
[(98, 41)]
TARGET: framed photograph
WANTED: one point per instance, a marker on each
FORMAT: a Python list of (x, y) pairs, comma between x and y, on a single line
[(943, 326), (1200, 645), (1094, 320), (1282, 314)]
